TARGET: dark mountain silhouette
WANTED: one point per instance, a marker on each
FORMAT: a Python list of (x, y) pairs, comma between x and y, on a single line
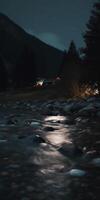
[(3, 76), (24, 73), (47, 59)]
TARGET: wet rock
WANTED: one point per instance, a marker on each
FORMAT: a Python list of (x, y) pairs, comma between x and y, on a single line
[(96, 162), (77, 172), (3, 141), (48, 112), (14, 166), (91, 99), (49, 109), (89, 155), (28, 105), (49, 128), (14, 185), (4, 173), (21, 136), (38, 139), (88, 110), (35, 124), (2, 125), (73, 106), (12, 121), (68, 108), (70, 121), (70, 150), (98, 114), (25, 198), (30, 188)]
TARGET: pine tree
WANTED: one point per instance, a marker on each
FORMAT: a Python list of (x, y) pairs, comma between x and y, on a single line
[(92, 41), (73, 52), (71, 69), (71, 63)]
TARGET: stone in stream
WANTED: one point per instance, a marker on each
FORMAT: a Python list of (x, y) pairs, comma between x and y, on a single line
[(76, 172), (22, 136), (68, 107), (89, 155), (30, 188), (96, 162), (3, 141), (12, 121), (35, 124), (38, 139), (15, 166), (70, 150), (49, 128), (4, 173), (88, 110)]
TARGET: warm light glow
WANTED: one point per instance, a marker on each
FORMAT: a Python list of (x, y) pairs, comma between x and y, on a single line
[(39, 83), (96, 92), (91, 91), (58, 78), (88, 90)]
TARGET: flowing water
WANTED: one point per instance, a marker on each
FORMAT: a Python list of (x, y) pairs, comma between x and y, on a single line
[(32, 167)]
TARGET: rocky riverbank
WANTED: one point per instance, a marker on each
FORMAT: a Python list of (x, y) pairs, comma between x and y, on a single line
[(50, 149)]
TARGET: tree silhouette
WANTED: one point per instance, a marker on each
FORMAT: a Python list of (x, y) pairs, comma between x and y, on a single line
[(73, 52), (70, 69), (92, 48), (71, 62)]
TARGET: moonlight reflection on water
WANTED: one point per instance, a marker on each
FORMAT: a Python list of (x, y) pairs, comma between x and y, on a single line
[(35, 153), (56, 118), (61, 131)]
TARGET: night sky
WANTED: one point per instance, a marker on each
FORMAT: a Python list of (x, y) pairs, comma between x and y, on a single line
[(56, 22)]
